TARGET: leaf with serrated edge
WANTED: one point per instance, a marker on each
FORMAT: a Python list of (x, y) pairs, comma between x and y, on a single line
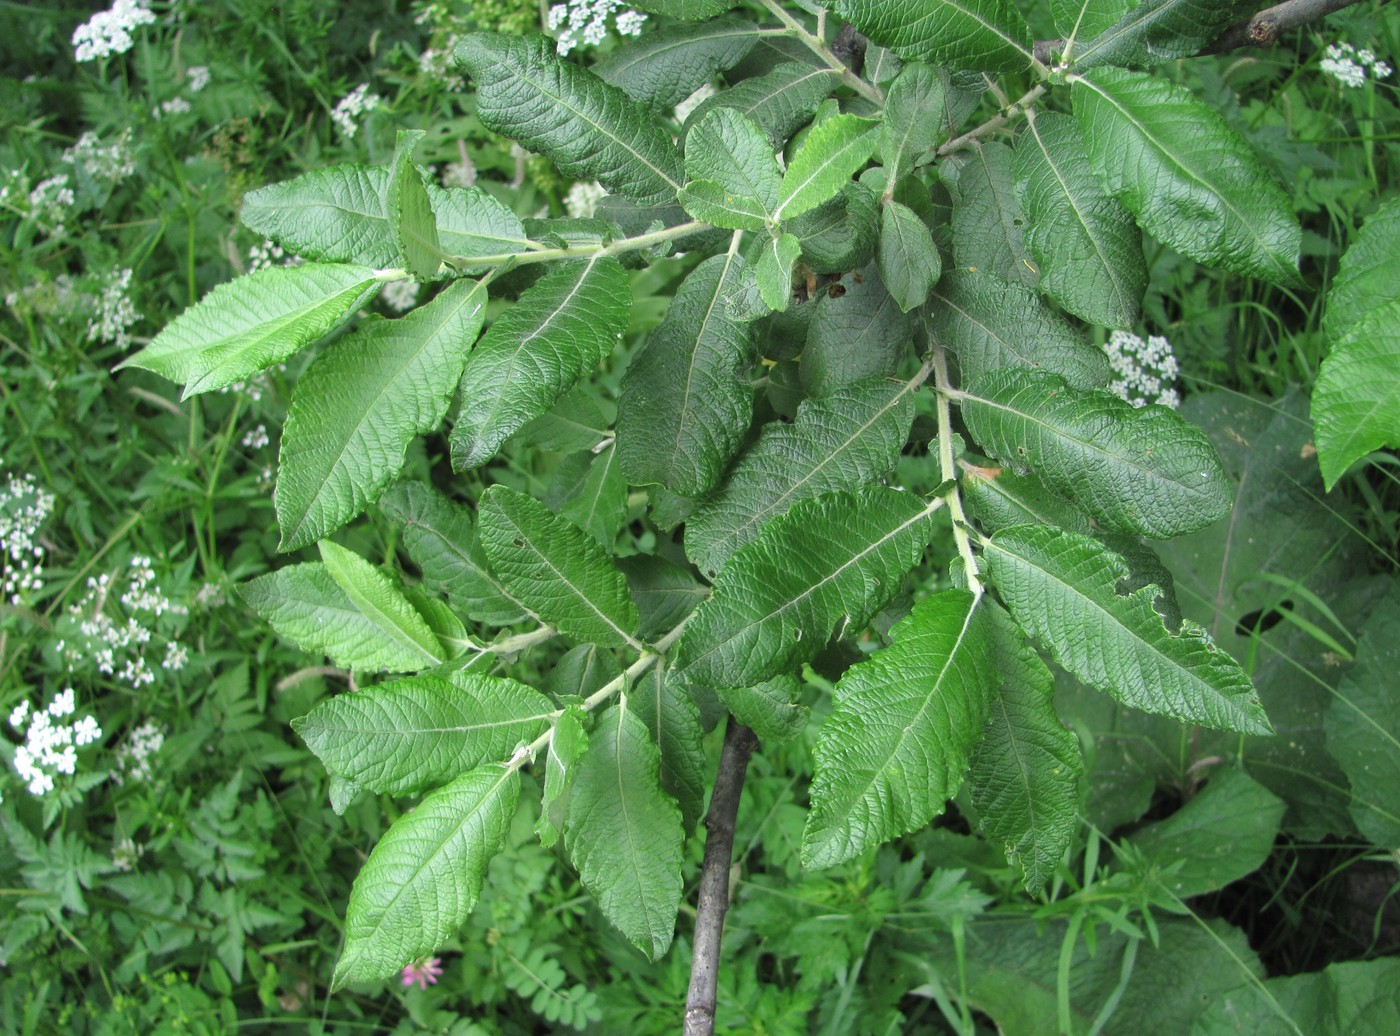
[(778, 601), (663, 67), (908, 258), (673, 719), (1084, 19), (831, 154), (988, 224), (844, 441), (381, 601), (425, 875), (978, 35), (857, 335), (1369, 273), (913, 121), (780, 101), (1356, 402), (770, 709), (399, 738), (592, 130), (562, 573), (895, 746), (1142, 470), (713, 203), (410, 212), (733, 151), (1061, 588), (1154, 31), (1189, 178), (686, 10), (243, 326), (624, 834), (560, 330)]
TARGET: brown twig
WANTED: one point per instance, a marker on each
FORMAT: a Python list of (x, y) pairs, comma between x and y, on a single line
[(739, 744)]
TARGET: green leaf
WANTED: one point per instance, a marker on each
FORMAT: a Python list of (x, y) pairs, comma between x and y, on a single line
[(778, 600), (592, 131), (673, 719), (243, 326), (715, 204), (663, 67), (1154, 31), (563, 574), (841, 442), (771, 708), (568, 741), (909, 261), (1088, 248), (1186, 175), (895, 746), (978, 35), (305, 605), (913, 122), (624, 834), (1084, 19), (685, 404), (1351, 997), (731, 149), (990, 324), (399, 738), (686, 10), (1061, 587), (1356, 402), (1363, 725), (665, 592), (440, 537), (780, 101), (839, 235), (1369, 274), (410, 213), (361, 402), (1142, 470), (833, 152), (425, 875), (988, 224), (576, 422), (471, 223), (1027, 767), (599, 505), (563, 326), (858, 334), (379, 599), (998, 499), (776, 259)]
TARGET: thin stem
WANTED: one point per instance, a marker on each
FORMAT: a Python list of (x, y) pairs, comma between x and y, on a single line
[(818, 46), (995, 123), (544, 255), (949, 471)]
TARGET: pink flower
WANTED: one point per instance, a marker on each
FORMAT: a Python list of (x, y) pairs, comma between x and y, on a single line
[(424, 971)]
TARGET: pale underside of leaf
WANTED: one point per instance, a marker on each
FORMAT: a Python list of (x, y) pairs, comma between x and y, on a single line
[(979, 35), (379, 599)]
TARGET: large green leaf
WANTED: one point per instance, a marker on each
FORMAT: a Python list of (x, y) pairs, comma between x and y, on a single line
[(1142, 470), (1369, 274), (998, 498), (834, 151), (305, 605), (592, 131), (1088, 248), (471, 223), (361, 402), (625, 834), (843, 441), (560, 330), (251, 323), (1026, 769), (685, 402), (664, 67), (856, 334), (1356, 402), (1353, 997), (978, 35), (908, 259), (988, 224), (597, 502), (711, 202), (989, 324), (895, 746), (410, 212), (673, 719), (563, 574), (401, 737), (1186, 175), (779, 101), (425, 875), (732, 150), (913, 120), (822, 569), (1084, 19), (839, 235), (378, 597), (1062, 588), (1153, 31), (771, 708), (686, 10)]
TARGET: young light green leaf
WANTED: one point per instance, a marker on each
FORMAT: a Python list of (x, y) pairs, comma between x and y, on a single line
[(833, 152), (425, 875), (592, 130), (770, 709), (776, 259), (1088, 248), (1369, 274), (1356, 402), (895, 746), (440, 537), (685, 406), (1186, 175), (978, 35), (251, 323), (563, 574), (673, 719), (715, 204), (841, 442), (560, 330), (402, 737), (913, 121), (361, 402), (663, 67), (625, 834), (1153, 31), (908, 259), (1062, 588), (377, 597), (471, 223), (989, 324), (988, 224), (1142, 470), (305, 605), (780, 101), (1027, 767), (410, 213), (731, 149), (856, 335), (568, 741), (779, 599)]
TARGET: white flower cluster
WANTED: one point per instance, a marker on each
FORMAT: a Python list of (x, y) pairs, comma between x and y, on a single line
[(1145, 371), (23, 508), (354, 104), (125, 854), (584, 23), (582, 200), (257, 438), (118, 648), (400, 296), (102, 162), (198, 77), (109, 32), (174, 106), (114, 312), (50, 746), (49, 203), (269, 254), (1348, 65), (436, 62), (134, 754)]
